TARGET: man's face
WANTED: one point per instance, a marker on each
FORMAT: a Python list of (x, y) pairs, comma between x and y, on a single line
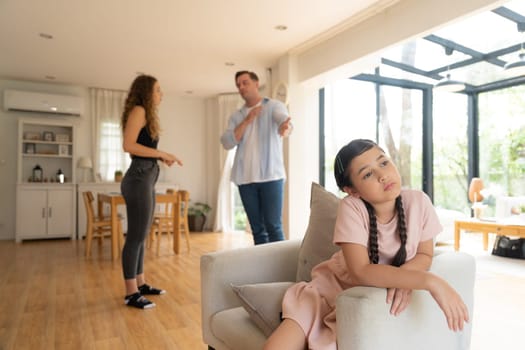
[(246, 86)]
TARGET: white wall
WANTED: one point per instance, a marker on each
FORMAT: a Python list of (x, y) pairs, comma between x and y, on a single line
[(182, 121)]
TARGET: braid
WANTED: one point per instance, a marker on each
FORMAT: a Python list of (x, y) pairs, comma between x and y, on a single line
[(373, 247), (401, 255)]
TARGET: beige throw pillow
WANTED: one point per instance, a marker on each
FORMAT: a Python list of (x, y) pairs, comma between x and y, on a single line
[(317, 243), (263, 302)]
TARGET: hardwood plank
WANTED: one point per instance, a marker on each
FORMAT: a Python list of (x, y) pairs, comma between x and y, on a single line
[(52, 297)]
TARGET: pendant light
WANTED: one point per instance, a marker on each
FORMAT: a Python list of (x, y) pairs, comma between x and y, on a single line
[(517, 68), (449, 85)]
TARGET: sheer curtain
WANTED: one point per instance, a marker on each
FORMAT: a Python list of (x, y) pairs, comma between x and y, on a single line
[(106, 111), (225, 105)]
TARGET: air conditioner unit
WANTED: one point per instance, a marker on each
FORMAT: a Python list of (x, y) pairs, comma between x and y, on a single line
[(26, 101)]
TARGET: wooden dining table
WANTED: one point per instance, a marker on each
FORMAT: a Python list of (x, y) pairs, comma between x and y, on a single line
[(115, 199)]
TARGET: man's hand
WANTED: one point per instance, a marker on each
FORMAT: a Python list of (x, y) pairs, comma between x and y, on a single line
[(286, 127)]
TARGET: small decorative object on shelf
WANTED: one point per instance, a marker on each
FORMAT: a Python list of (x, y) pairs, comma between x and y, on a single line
[(118, 175), (30, 148), (63, 150), (48, 136), (33, 136), (37, 174), (62, 138), (60, 176)]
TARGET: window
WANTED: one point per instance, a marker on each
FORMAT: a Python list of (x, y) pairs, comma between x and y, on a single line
[(502, 152), (111, 156), (350, 112)]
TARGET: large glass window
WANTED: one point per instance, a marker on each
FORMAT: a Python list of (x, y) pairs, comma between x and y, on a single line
[(502, 143), (349, 114), (396, 124), (450, 151)]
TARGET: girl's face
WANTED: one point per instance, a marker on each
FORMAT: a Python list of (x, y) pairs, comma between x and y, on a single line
[(374, 177), (157, 94)]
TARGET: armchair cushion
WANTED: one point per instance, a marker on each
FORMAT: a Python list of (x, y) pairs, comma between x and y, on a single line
[(263, 302), (317, 244)]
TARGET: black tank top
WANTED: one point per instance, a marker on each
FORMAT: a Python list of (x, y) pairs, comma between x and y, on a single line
[(145, 139)]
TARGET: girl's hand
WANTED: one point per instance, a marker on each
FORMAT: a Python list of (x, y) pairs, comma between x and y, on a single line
[(450, 303), (398, 299)]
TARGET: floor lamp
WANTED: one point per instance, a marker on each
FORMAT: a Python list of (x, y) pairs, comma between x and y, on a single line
[(85, 164)]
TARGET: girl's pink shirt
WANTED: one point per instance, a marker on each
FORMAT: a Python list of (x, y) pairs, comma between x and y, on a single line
[(352, 225)]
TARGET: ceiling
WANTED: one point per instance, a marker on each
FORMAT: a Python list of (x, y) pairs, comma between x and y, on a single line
[(185, 44), (473, 50)]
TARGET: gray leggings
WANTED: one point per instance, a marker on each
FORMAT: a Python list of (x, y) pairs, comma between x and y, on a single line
[(138, 189)]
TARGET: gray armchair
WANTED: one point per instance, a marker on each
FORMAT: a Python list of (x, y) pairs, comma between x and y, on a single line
[(236, 321), (363, 319)]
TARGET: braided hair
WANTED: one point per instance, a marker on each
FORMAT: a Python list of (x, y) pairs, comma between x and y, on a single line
[(342, 177)]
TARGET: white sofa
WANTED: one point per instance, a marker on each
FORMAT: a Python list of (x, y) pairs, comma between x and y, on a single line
[(229, 322)]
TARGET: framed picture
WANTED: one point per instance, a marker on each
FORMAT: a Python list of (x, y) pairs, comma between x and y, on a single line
[(63, 150), (30, 148), (48, 136)]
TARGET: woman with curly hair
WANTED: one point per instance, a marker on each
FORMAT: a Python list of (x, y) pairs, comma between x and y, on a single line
[(141, 129)]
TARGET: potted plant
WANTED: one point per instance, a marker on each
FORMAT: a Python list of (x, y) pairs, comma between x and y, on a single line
[(118, 175), (197, 216)]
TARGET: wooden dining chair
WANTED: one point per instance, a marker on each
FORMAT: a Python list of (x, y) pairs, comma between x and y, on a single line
[(184, 198), (163, 220), (97, 226)]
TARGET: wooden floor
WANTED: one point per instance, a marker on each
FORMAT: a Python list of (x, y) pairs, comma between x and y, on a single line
[(52, 297)]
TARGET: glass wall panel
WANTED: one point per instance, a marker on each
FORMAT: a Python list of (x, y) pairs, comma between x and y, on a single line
[(502, 143), (350, 113), (450, 151)]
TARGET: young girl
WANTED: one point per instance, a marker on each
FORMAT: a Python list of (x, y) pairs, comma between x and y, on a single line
[(140, 125), (386, 239)]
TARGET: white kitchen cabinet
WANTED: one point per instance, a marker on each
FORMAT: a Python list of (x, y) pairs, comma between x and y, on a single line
[(45, 211), (45, 208)]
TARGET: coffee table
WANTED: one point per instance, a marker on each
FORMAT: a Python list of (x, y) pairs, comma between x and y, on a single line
[(486, 227)]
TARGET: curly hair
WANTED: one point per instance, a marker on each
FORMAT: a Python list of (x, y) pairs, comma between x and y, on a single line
[(141, 94), (342, 177)]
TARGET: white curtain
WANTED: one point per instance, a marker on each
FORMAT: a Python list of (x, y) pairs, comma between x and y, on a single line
[(106, 112), (226, 104)]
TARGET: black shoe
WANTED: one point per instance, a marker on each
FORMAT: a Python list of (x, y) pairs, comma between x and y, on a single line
[(149, 290), (138, 301)]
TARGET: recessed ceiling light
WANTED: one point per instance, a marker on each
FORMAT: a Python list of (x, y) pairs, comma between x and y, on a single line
[(229, 64), (280, 27), (45, 36)]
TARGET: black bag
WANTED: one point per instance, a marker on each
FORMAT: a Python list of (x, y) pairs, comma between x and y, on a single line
[(509, 248)]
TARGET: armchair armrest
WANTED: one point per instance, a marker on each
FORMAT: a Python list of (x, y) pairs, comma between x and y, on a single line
[(364, 320), (272, 262)]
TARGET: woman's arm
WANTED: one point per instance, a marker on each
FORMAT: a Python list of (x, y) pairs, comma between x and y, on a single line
[(409, 277), (136, 121)]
